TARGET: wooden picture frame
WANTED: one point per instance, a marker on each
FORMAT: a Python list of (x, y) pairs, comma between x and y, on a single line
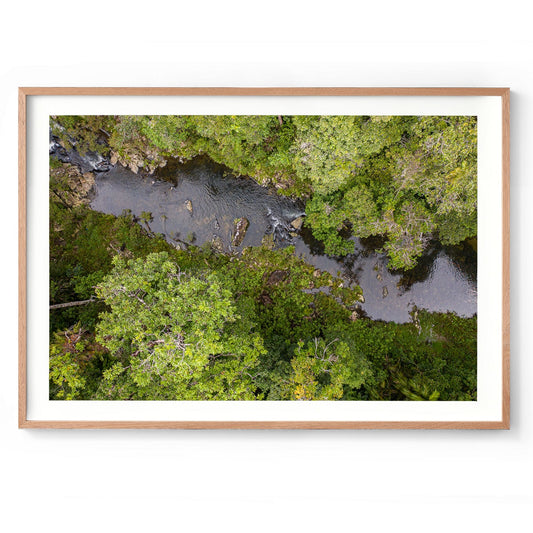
[(501, 421)]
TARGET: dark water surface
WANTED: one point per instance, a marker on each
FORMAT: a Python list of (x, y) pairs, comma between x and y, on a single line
[(444, 280)]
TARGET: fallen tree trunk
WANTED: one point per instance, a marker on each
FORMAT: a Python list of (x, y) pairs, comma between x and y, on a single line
[(72, 304)]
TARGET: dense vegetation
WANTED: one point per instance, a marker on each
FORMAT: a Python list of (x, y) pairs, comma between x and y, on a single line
[(406, 178), (199, 324)]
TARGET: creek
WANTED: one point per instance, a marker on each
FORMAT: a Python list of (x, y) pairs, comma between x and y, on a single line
[(199, 201)]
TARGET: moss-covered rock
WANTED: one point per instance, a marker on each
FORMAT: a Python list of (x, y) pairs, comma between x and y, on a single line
[(240, 226), (217, 244), (71, 185)]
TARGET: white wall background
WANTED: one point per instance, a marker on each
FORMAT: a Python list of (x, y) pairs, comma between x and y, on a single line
[(269, 480)]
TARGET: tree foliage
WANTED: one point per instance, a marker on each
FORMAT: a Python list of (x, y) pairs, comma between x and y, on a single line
[(199, 325), (262, 325), (408, 178), (321, 370), (174, 336)]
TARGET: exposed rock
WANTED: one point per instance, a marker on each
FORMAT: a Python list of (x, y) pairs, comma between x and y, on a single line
[(217, 244), (379, 277), (73, 186), (86, 182), (188, 206), (239, 230), (297, 223), (317, 273), (293, 234), (134, 159), (354, 316)]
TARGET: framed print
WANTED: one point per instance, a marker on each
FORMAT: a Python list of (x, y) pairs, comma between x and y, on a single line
[(307, 258)]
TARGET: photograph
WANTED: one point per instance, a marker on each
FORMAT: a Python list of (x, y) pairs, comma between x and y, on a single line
[(266, 266), (263, 257)]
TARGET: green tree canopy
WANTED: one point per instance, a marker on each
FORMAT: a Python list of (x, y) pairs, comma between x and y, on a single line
[(407, 178), (173, 335)]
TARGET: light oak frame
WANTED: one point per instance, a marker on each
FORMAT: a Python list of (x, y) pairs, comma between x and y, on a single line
[(504, 93)]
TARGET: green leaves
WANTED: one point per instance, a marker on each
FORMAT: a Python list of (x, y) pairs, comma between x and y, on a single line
[(76, 362), (408, 228), (355, 168), (179, 334), (407, 178), (322, 369), (179, 326), (196, 325)]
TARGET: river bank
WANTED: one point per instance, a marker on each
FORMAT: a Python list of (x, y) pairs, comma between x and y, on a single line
[(199, 201), (194, 283)]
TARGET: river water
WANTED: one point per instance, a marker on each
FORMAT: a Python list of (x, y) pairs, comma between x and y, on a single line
[(444, 280)]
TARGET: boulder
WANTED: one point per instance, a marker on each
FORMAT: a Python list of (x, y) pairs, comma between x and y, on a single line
[(297, 223), (188, 206), (240, 226), (74, 186), (217, 244)]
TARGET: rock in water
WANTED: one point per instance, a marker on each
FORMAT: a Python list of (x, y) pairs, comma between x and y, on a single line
[(188, 205), (297, 223), (385, 292), (239, 230), (217, 244)]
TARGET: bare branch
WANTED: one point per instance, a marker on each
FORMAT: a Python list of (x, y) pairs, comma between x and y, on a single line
[(73, 304)]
